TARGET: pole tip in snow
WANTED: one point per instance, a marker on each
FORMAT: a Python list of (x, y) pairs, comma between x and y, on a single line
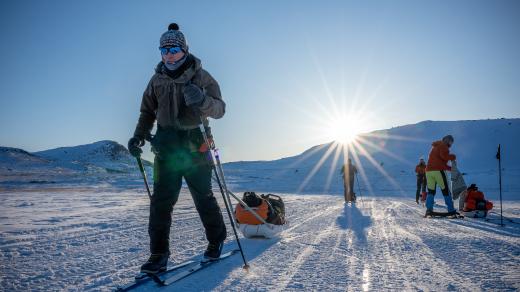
[(246, 267)]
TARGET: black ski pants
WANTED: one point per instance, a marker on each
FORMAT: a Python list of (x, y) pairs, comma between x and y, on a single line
[(169, 169), (348, 188), (421, 186)]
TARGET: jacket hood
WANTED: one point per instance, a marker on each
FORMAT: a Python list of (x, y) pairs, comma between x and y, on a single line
[(188, 73), (437, 143)]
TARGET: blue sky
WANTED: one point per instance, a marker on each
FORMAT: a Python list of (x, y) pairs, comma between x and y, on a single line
[(73, 72)]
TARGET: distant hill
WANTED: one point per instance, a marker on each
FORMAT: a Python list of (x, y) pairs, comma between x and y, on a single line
[(14, 157), (98, 156), (389, 159), (83, 163)]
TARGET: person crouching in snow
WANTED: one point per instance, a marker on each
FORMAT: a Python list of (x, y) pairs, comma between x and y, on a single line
[(436, 173), (474, 204), (420, 171), (178, 95)]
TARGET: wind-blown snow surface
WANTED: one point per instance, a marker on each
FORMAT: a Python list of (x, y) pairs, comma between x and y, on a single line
[(92, 239)]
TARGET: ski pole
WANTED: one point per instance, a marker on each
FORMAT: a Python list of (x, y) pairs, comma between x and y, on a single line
[(499, 157), (143, 172), (223, 188)]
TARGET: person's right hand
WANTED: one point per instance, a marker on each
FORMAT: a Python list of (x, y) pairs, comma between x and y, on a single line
[(193, 95), (134, 146)]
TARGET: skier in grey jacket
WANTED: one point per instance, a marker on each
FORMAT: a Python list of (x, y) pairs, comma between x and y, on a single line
[(178, 95)]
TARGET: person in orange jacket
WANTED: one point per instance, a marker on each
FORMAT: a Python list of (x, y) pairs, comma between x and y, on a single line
[(436, 173), (420, 171)]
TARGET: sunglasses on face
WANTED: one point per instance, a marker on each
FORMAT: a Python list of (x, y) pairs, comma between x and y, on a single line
[(172, 50)]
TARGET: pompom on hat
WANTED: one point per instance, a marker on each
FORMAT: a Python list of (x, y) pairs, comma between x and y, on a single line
[(173, 38)]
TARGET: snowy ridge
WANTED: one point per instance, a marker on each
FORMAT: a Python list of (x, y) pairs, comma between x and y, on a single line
[(10, 157), (19, 166), (83, 164), (393, 156), (107, 155)]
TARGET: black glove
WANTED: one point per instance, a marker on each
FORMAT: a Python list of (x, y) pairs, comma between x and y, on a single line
[(134, 146), (193, 95)]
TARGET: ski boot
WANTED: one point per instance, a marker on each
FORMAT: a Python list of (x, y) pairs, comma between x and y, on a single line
[(156, 263), (213, 251), (423, 197), (429, 213)]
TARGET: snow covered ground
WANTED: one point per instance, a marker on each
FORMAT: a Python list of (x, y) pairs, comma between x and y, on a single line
[(96, 239)]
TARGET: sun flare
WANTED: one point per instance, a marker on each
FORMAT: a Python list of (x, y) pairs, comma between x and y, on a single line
[(344, 129), (341, 120)]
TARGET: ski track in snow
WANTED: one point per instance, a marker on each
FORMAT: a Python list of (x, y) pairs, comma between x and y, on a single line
[(92, 239)]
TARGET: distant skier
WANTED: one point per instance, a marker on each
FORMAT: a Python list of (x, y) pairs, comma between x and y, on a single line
[(178, 92), (348, 172), (436, 173), (420, 171)]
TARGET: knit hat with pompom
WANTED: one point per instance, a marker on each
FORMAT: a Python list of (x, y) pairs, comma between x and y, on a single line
[(173, 38)]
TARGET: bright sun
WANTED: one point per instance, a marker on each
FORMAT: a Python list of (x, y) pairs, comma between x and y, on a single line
[(344, 129)]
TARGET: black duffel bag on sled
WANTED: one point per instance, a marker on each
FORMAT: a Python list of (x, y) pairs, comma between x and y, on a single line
[(276, 214)]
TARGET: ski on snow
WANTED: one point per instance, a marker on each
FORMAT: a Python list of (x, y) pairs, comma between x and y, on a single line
[(143, 277), (201, 265), (448, 215), (163, 278)]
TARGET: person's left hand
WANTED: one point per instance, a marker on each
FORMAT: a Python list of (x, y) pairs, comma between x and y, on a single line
[(193, 95)]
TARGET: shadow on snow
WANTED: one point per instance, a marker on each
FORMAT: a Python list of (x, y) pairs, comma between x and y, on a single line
[(353, 219)]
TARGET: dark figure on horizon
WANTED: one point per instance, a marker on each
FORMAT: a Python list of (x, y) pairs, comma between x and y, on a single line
[(348, 172), (420, 171)]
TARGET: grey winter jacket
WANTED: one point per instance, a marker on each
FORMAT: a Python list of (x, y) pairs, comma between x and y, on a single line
[(163, 100)]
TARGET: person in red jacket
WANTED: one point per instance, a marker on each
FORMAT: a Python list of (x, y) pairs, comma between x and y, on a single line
[(436, 173), (475, 202), (420, 171)]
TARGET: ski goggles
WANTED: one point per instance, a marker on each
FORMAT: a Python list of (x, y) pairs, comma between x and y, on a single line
[(172, 50)]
